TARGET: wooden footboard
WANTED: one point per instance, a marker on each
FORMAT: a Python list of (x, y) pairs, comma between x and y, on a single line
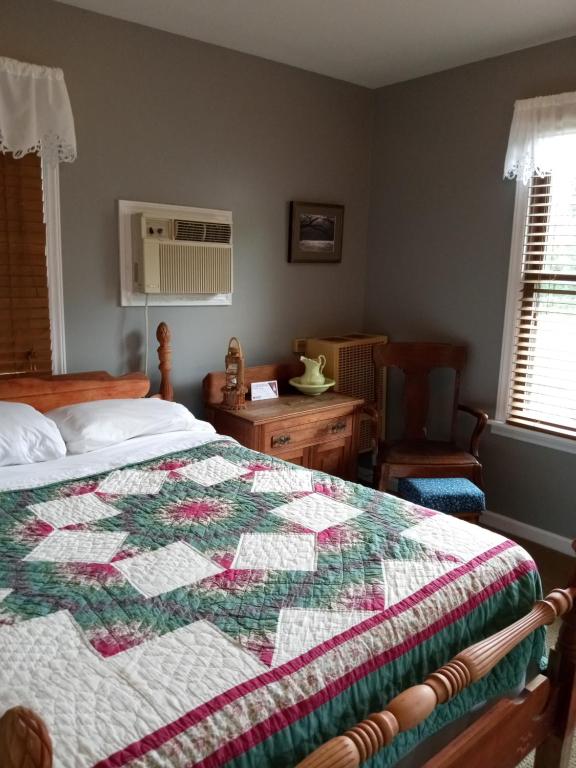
[(541, 717)]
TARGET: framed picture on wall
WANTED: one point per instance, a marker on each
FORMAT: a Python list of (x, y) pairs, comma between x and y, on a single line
[(315, 233)]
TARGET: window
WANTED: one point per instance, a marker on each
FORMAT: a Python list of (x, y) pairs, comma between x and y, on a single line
[(538, 370), (24, 315), (31, 315), (35, 122)]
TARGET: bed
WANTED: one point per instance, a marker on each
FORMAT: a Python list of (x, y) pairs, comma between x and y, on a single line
[(178, 600)]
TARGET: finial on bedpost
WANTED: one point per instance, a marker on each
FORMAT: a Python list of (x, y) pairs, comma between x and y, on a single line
[(24, 740), (165, 357)]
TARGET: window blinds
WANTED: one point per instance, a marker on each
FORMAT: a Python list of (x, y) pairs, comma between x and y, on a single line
[(542, 393), (24, 314)]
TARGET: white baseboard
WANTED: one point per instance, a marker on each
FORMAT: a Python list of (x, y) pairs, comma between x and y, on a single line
[(530, 532)]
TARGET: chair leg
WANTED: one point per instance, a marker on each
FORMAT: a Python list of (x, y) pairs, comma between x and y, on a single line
[(377, 479), (477, 479), (382, 477), (469, 517)]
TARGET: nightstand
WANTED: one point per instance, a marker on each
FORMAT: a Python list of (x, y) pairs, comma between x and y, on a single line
[(315, 432)]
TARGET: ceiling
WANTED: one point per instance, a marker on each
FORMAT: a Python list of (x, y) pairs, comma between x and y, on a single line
[(368, 42)]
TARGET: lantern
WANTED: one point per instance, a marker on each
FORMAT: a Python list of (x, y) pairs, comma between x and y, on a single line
[(234, 390)]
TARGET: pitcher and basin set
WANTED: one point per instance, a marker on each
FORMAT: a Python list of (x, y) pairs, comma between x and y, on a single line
[(312, 381)]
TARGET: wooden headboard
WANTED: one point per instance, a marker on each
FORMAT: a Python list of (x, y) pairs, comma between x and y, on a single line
[(47, 392)]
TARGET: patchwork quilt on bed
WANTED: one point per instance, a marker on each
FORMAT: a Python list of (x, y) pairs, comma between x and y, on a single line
[(220, 607)]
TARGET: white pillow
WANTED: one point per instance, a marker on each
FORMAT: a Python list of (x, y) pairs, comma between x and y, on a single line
[(89, 426), (27, 436)]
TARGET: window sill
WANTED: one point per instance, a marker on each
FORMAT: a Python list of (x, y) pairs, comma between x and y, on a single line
[(537, 438)]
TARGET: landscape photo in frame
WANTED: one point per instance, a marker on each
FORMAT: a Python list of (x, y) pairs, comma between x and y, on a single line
[(315, 232)]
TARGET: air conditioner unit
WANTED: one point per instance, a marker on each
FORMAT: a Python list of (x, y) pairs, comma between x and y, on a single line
[(182, 255), (349, 363)]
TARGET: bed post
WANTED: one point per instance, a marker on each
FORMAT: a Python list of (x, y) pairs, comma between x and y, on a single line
[(165, 357), (554, 752), (24, 740)]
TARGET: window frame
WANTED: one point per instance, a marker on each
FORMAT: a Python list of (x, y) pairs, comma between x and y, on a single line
[(499, 425), (51, 194)]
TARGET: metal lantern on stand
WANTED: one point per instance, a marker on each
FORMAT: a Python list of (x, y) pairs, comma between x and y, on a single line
[(234, 390)]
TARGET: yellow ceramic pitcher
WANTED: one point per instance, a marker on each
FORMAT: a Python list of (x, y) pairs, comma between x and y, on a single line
[(313, 370)]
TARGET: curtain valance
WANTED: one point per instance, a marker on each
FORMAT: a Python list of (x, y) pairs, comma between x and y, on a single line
[(542, 137), (35, 112)]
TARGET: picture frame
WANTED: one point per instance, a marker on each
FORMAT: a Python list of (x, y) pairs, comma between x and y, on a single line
[(315, 233)]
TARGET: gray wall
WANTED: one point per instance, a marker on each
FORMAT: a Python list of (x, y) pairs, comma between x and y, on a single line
[(165, 119), (440, 228)]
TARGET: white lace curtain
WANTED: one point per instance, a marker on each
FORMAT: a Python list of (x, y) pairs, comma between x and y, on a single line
[(35, 112), (542, 137)]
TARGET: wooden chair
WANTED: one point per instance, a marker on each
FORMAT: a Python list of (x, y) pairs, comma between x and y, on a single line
[(415, 455)]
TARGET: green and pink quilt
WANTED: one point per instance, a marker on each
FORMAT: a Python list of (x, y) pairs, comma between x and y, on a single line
[(218, 607)]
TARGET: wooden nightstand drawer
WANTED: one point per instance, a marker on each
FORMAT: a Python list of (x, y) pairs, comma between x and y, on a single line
[(280, 437)]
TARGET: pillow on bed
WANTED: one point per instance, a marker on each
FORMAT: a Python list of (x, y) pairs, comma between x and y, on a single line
[(27, 436), (89, 426)]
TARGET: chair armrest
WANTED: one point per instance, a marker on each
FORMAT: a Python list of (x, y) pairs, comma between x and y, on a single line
[(481, 421)]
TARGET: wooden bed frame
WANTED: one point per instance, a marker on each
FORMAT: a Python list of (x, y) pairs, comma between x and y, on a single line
[(542, 716), (47, 392)]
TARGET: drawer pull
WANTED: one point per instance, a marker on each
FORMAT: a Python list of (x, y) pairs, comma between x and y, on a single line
[(338, 427), (280, 440)]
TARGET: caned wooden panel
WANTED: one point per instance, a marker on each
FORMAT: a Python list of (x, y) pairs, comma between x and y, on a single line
[(24, 314)]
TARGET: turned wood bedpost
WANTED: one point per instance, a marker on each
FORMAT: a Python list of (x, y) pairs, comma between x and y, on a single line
[(24, 740), (415, 704), (554, 752), (165, 357)]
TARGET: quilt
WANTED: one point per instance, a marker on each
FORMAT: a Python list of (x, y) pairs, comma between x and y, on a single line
[(219, 607)]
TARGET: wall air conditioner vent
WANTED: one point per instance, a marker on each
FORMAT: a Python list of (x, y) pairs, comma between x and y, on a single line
[(202, 269), (202, 231)]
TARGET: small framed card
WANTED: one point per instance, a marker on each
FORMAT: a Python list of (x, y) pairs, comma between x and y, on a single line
[(263, 390)]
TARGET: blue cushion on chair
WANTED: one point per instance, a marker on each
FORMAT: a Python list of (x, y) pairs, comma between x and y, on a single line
[(445, 494)]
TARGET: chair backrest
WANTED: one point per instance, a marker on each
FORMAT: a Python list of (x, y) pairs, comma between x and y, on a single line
[(416, 360)]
